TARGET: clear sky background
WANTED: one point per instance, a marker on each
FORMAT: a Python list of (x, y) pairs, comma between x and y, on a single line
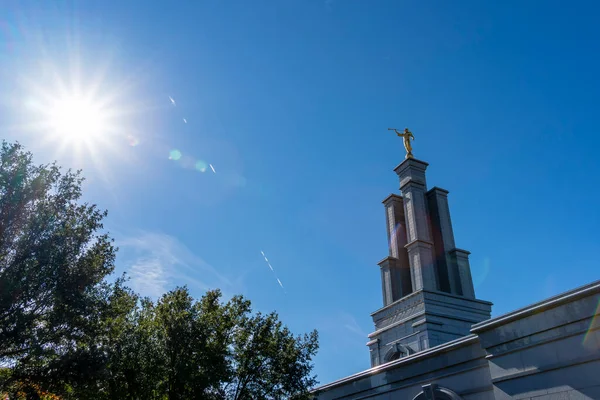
[(290, 101)]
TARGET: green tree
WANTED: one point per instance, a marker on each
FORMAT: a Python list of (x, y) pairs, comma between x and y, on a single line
[(182, 349), (268, 362), (53, 261), (134, 365)]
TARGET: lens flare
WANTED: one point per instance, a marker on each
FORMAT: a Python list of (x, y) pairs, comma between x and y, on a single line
[(480, 274), (201, 166), (174, 155), (9, 36), (132, 140), (591, 340)]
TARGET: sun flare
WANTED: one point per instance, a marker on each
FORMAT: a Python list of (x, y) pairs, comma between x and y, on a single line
[(82, 121), (79, 104), (77, 119)]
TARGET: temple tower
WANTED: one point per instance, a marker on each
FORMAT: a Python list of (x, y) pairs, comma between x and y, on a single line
[(428, 294)]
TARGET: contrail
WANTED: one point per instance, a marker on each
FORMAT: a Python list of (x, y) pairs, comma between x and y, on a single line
[(272, 270)]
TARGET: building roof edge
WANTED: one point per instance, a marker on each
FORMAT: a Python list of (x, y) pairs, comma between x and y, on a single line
[(552, 302)]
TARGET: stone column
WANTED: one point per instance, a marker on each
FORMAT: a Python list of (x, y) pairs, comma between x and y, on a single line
[(386, 282), (395, 279), (443, 239), (396, 224), (395, 269), (461, 258), (420, 245), (374, 350)]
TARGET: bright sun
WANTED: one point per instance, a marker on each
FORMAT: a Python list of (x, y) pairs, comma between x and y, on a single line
[(77, 119), (69, 109)]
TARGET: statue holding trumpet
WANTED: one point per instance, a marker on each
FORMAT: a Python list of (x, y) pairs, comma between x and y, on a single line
[(406, 136)]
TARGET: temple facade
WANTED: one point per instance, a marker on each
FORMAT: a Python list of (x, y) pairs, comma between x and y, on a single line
[(433, 339)]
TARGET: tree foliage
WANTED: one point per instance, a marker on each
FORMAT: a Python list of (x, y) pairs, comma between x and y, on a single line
[(53, 262), (179, 348), (67, 333)]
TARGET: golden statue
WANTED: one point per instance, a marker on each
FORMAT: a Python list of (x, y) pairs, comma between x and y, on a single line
[(407, 135)]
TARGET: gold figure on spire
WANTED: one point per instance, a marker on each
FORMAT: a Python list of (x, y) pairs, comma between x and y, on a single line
[(406, 135)]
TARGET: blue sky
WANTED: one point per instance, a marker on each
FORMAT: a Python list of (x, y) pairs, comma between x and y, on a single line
[(289, 101)]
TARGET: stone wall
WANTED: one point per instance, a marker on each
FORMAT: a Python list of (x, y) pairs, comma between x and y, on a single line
[(549, 350), (459, 366)]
